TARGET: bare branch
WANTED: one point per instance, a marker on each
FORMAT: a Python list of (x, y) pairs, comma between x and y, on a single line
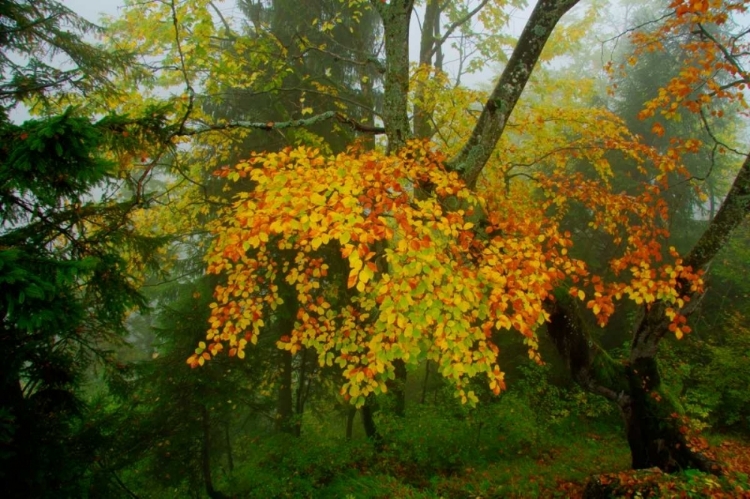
[(379, 66), (280, 125), (227, 27), (183, 66), (449, 31)]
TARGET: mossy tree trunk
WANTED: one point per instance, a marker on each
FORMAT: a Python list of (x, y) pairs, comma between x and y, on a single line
[(396, 17), (652, 423), (652, 417), (477, 150)]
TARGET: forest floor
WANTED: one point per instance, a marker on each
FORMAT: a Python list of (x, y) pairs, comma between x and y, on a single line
[(561, 468), (562, 472)]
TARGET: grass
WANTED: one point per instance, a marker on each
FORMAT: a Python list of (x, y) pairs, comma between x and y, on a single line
[(444, 456)]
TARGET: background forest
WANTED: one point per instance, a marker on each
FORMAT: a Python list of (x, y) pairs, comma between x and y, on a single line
[(275, 248)]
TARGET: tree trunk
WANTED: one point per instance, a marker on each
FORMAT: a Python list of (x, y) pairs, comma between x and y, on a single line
[(422, 126), (398, 388), (230, 457), (286, 317), (284, 406), (396, 16), (351, 412), (424, 383), (206, 456), (655, 432), (653, 425), (302, 382), (652, 419), (368, 421), (489, 128)]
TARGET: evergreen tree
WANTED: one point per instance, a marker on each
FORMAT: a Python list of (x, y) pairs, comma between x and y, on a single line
[(65, 280)]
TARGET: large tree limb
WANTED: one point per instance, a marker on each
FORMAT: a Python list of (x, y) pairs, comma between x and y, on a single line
[(734, 209), (488, 130), (653, 325)]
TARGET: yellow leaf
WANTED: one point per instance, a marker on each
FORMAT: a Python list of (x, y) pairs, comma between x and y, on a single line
[(503, 322), (366, 274), (317, 199), (581, 295), (353, 390), (307, 110)]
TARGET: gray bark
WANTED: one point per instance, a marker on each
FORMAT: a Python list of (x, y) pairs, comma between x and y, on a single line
[(396, 16), (498, 108)]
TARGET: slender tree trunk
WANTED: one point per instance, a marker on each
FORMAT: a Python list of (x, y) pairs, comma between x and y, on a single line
[(206, 456), (285, 406), (368, 421), (424, 383), (422, 126), (301, 394), (286, 317), (351, 412), (397, 388), (230, 457)]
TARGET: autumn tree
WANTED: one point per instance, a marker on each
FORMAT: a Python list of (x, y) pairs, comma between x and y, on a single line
[(650, 412), (417, 255)]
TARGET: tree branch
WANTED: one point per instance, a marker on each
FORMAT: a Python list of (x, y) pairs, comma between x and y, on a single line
[(488, 130), (457, 24), (733, 211), (280, 125)]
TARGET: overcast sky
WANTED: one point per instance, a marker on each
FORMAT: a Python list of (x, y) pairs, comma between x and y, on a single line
[(93, 9)]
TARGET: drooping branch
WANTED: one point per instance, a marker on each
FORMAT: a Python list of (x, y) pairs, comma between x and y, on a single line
[(488, 130)]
